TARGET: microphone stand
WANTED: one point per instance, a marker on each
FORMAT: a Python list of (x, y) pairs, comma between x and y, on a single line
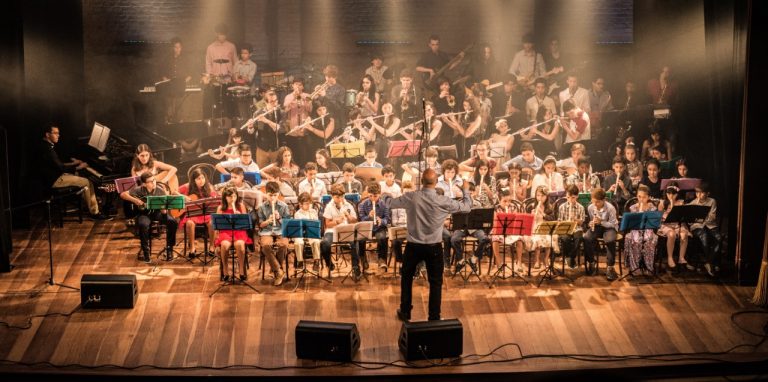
[(48, 202)]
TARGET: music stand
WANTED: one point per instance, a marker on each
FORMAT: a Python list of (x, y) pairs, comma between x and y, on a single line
[(305, 229), (204, 207), (506, 224), (99, 137), (329, 177), (232, 223), (550, 229), (553, 196), (475, 219), (640, 221), (347, 150), (447, 151), (352, 233), (405, 148), (165, 203), (353, 197), (126, 184)]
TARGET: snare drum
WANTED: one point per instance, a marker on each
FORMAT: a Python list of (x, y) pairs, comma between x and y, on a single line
[(238, 91), (351, 98)]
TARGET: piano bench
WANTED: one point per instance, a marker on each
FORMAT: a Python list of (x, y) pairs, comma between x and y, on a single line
[(66, 201)]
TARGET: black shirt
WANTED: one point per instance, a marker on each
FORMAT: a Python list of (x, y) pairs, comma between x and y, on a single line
[(434, 61), (267, 138), (51, 167)]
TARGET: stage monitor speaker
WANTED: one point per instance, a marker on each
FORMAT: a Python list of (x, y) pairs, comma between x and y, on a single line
[(326, 341), (431, 339), (108, 291)]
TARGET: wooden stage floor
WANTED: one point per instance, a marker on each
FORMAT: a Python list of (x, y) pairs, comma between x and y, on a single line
[(177, 329)]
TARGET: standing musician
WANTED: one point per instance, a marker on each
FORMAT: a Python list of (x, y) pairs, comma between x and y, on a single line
[(220, 58), (578, 96), (578, 127), (138, 196), (198, 188), (268, 133), (376, 71), (426, 211), (271, 215), (434, 59), (318, 130), (445, 102), (510, 103), (380, 134), (58, 174), (331, 94), (466, 127), (539, 99), (528, 62), (244, 69), (231, 204), (368, 98), (297, 107), (175, 69), (144, 161), (406, 98)]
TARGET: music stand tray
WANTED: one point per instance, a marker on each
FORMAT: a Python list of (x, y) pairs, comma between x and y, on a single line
[(166, 202), (305, 229), (509, 224), (329, 177), (126, 184), (232, 222), (552, 228), (640, 221), (353, 198), (403, 149), (396, 233), (252, 177), (352, 233), (347, 150), (689, 213)]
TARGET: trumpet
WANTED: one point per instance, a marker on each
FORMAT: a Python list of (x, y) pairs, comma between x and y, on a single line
[(451, 99), (319, 88)]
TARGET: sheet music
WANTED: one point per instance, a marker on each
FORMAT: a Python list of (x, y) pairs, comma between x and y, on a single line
[(99, 137)]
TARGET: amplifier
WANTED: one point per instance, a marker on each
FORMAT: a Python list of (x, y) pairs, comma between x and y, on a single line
[(431, 339), (327, 341), (108, 291)]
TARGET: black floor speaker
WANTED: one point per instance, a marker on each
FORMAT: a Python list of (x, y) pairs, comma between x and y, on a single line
[(326, 341), (108, 291), (431, 339)]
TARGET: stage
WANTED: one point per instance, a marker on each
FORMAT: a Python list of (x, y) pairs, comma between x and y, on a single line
[(177, 329)]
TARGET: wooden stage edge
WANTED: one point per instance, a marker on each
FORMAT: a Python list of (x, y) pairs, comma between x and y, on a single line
[(177, 329)]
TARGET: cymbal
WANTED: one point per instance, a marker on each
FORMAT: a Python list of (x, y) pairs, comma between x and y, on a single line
[(220, 61)]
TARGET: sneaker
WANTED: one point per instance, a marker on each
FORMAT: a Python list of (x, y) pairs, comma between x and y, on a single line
[(168, 253), (689, 267), (708, 268), (456, 269), (192, 255), (610, 274), (571, 262), (383, 267), (279, 277), (356, 274), (146, 258)]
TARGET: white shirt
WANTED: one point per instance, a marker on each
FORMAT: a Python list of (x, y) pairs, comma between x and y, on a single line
[(309, 214), (523, 64), (332, 212), (232, 163), (394, 191), (532, 106), (317, 191), (553, 184), (580, 98)]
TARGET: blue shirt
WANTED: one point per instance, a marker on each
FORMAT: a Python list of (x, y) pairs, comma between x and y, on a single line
[(427, 211), (382, 212), (536, 165), (265, 211)]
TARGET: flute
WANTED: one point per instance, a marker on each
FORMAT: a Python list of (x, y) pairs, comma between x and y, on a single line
[(219, 149), (253, 119), (352, 122)]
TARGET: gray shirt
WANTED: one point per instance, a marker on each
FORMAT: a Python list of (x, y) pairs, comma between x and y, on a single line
[(426, 212)]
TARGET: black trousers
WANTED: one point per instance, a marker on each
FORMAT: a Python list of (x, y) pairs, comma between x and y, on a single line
[(432, 255), (144, 221)]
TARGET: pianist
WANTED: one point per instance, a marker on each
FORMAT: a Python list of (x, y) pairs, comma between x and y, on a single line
[(58, 174)]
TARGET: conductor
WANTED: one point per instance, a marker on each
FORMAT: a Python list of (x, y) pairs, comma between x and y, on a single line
[(426, 211)]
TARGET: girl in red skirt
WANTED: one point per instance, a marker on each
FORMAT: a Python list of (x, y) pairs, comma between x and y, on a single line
[(231, 204)]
